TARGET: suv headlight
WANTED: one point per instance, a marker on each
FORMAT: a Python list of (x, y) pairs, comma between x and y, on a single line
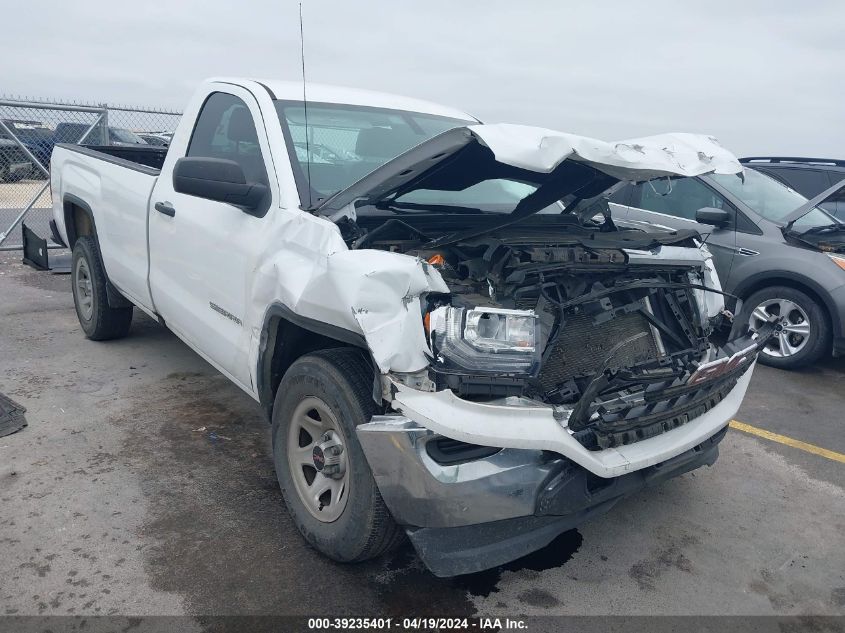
[(484, 340)]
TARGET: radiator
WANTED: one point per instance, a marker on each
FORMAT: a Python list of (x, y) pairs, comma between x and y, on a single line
[(583, 347)]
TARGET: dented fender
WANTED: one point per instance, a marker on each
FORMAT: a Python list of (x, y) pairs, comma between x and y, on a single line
[(375, 294), (382, 293)]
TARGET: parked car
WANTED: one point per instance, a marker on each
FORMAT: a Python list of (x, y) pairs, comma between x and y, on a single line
[(443, 348), (40, 140), (159, 140), (81, 133), (774, 271), (808, 176), (35, 136), (14, 164)]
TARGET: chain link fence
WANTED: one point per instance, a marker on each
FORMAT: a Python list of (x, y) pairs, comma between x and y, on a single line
[(29, 129)]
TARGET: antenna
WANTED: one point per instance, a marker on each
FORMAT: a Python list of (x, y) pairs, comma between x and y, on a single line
[(305, 106)]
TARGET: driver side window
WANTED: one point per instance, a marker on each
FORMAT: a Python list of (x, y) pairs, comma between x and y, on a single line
[(678, 197), (225, 129)]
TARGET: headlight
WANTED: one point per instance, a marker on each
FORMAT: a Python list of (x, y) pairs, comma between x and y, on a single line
[(484, 340)]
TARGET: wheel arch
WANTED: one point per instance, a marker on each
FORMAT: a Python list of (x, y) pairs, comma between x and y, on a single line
[(79, 222), (79, 219), (287, 336)]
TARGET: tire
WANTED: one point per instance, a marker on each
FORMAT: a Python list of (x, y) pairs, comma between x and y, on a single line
[(808, 334), (335, 381), (99, 321), (5, 172)]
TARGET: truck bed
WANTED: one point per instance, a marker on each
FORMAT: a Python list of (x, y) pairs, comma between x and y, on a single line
[(114, 185), (150, 157)]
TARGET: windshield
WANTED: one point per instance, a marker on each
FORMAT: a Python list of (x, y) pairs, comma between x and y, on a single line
[(346, 142), (770, 198)]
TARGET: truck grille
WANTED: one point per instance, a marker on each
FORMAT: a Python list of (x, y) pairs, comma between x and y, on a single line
[(582, 347)]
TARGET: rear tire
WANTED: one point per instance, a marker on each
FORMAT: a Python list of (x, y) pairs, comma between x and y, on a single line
[(330, 390), (807, 336), (99, 321)]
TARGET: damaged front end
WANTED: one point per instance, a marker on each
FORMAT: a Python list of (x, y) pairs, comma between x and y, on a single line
[(568, 363), (563, 378), (547, 300), (621, 349)]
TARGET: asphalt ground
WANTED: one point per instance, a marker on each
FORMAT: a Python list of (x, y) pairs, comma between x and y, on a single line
[(144, 484)]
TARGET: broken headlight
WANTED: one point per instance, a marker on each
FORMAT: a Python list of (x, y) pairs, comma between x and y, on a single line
[(484, 340)]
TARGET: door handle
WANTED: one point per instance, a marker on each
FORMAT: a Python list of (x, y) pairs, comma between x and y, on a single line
[(166, 208)]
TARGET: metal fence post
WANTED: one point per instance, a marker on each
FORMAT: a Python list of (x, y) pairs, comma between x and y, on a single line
[(106, 137)]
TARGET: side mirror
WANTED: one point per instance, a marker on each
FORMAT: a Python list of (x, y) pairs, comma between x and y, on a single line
[(217, 179), (711, 215)]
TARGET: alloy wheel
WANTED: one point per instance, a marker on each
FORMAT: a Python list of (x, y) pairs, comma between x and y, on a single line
[(796, 326)]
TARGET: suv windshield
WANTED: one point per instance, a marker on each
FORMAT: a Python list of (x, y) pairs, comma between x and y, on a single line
[(770, 198), (346, 142)]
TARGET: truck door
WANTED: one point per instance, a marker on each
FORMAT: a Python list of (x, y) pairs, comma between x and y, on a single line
[(673, 203), (202, 252)]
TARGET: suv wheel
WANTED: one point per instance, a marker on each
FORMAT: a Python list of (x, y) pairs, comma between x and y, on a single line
[(806, 336), (325, 479)]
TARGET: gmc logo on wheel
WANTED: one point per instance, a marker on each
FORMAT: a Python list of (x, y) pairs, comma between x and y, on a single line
[(716, 368)]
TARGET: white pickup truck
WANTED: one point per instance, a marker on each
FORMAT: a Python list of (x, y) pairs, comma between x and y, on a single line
[(449, 330)]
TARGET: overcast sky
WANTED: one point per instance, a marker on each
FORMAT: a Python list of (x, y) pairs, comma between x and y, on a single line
[(764, 77)]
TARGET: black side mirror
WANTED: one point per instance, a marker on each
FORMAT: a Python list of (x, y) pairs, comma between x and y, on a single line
[(217, 179), (711, 215)]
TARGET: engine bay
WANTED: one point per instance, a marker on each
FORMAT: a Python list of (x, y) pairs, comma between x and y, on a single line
[(617, 340)]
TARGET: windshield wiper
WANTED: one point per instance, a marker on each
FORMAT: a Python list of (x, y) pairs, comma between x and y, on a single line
[(832, 194), (415, 207), (834, 226)]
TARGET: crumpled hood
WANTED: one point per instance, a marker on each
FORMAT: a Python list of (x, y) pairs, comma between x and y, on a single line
[(553, 161), (672, 154)]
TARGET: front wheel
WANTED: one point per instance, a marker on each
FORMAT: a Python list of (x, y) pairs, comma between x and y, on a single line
[(806, 335), (325, 479)]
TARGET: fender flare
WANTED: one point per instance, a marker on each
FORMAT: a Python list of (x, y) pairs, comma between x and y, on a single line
[(276, 312)]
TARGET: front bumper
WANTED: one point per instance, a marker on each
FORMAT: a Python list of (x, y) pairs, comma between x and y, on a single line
[(537, 427), (479, 514)]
